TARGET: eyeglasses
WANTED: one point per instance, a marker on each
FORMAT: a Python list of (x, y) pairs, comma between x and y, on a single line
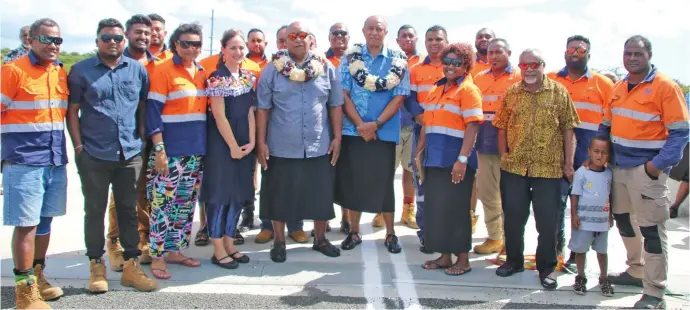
[(579, 50), (336, 33), (48, 40), (301, 35), (452, 62), (533, 65), (107, 38), (187, 43)]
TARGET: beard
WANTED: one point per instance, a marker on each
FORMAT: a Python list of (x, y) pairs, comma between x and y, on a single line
[(579, 65), (111, 55), (138, 49), (481, 50)]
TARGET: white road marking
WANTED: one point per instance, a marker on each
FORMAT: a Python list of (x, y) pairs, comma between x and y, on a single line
[(405, 287), (371, 274)]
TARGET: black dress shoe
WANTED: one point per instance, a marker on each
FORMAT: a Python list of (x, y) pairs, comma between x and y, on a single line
[(350, 243), (507, 270), (393, 244)]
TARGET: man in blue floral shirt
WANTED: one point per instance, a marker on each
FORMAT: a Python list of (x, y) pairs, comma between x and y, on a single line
[(375, 81), (23, 49)]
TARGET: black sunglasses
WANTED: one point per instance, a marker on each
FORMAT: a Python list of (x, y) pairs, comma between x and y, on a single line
[(336, 33), (48, 40), (452, 62), (187, 43), (107, 38)]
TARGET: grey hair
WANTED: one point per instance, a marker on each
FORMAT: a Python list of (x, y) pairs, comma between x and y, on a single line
[(33, 29), (535, 52)]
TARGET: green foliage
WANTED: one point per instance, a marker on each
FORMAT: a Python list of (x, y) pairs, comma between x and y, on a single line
[(67, 58)]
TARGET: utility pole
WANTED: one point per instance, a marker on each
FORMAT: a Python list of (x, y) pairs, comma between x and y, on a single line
[(210, 50)]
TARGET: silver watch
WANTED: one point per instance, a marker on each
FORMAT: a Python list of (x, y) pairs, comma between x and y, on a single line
[(462, 159)]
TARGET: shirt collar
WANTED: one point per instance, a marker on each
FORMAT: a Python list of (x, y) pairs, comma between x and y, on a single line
[(564, 72), (545, 85), (458, 81), (149, 56), (384, 51), (480, 60), (329, 53), (34, 60), (263, 58), (509, 69), (178, 61), (649, 78), (120, 62)]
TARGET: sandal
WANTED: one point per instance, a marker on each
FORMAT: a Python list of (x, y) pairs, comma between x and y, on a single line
[(456, 271), (187, 262), (233, 264), (238, 238), (202, 238), (392, 244), (242, 259), (161, 274), (434, 264), (350, 242), (278, 253), (606, 288), (326, 248)]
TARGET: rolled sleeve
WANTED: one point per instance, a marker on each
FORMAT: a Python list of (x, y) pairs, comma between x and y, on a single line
[(345, 77), (336, 97), (75, 85), (155, 101), (264, 89)]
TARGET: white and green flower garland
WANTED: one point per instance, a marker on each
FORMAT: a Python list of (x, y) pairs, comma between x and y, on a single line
[(286, 66), (371, 82)]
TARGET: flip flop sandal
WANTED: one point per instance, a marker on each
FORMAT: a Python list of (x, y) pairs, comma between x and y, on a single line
[(242, 259), (187, 262), (450, 271), (201, 239), (433, 265), (156, 273)]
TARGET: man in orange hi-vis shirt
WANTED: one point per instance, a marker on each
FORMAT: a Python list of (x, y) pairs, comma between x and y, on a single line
[(481, 43), (158, 34), (256, 43)]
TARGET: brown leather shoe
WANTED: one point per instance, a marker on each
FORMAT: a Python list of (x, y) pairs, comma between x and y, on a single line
[(299, 236), (27, 295), (97, 282), (133, 276), (115, 258), (409, 216), (264, 236), (378, 221), (489, 246), (48, 292)]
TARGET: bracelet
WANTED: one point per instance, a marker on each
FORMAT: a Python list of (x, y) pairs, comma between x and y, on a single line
[(78, 147)]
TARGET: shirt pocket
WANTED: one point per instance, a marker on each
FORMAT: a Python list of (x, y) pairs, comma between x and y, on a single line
[(130, 89), (321, 87)]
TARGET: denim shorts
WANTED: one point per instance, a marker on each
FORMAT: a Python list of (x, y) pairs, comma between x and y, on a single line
[(581, 240), (30, 192)]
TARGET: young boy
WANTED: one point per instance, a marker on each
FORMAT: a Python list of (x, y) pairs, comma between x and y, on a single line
[(591, 214)]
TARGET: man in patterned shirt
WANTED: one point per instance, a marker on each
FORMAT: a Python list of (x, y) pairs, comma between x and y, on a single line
[(23, 49), (535, 124)]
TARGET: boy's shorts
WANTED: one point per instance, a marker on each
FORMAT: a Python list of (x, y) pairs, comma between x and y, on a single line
[(581, 240), (32, 192)]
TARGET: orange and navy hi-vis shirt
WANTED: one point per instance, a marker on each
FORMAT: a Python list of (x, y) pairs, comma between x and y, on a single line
[(590, 93), (423, 76), (34, 106), (647, 121), (261, 61), (493, 89), (164, 54), (210, 64), (177, 106), (335, 61), (446, 116), (480, 66), (151, 61), (414, 60)]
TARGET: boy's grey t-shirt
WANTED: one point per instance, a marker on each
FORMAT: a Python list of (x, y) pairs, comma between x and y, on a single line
[(593, 189)]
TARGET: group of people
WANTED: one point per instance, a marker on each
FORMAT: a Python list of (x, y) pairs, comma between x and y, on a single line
[(166, 132)]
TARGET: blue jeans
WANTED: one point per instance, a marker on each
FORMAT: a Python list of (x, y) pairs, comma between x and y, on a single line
[(32, 192)]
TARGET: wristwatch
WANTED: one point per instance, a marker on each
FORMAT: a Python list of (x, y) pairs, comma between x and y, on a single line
[(462, 159), (378, 124), (158, 147)]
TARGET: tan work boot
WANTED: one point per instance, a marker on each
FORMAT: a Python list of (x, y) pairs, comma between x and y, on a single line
[(48, 292), (409, 216), (378, 221), (474, 219), (97, 282), (489, 246), (145, 257), (115, 258), (264, 236), (133, 276), (299, 236), (27, 295)]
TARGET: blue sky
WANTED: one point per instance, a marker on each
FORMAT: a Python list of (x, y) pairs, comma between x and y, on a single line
[(524, 23)]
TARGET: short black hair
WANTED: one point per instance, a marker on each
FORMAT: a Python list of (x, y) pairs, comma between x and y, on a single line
[(254, 30), (504, 41), (193, 28), (600, 138), (157, 18), (279, 29), (109, 23), (640, 38), (138, 19), (578, 37), (436, 28), (33, 29), (406, 26)]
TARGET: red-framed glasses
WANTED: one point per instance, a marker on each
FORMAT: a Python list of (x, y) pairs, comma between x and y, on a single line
[(302, 35), (533, 65)]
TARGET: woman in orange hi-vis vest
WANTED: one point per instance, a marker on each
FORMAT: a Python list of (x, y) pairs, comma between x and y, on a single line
[(452, 113)]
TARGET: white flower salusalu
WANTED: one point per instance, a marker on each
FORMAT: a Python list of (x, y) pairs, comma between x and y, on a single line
[(392, 80), (280, 64), (354, 49), (356, 66), (370, 82), (399, 62), (297, 75), (317, 66)]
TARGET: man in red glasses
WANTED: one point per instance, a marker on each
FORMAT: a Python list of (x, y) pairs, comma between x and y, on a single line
[(536, 119), (647, 119), (105, 132), (298, 138), (34, 157), (590, 91)]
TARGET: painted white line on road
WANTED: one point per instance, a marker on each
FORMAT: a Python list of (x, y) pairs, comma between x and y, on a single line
[(371, 274), (406, 288)]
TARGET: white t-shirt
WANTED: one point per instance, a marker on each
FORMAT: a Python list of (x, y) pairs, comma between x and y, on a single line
[(593, 206)]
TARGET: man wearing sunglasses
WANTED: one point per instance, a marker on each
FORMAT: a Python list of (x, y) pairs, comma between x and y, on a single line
[(339, 38), (106, 91), (590, 91), (535, 124), (647, 120), (423, 76), (22, 49), (34, 157), (298, 138), (256, 44)]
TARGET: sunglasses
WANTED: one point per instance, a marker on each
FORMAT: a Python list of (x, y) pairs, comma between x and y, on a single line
[(301, 35), (533, 65), (49, 40), (187, 43), (452, 62), (107, 38), (579, 51), (336, 33)]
